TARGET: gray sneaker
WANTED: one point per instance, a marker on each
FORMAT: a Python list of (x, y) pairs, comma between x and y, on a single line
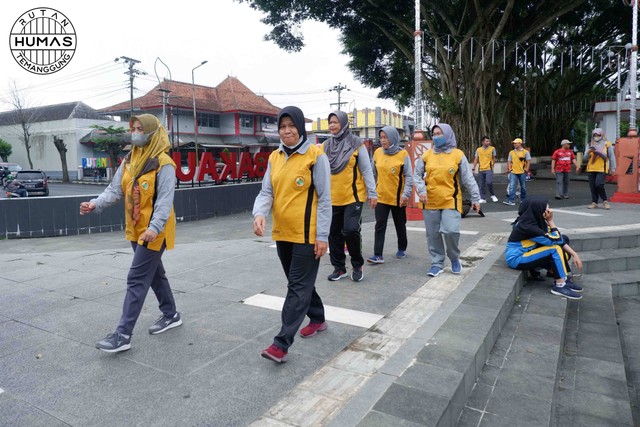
[(357, 274), (165, 323), (114, 343)]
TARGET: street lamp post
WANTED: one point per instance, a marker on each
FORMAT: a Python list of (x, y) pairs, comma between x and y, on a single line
[(195, 117)]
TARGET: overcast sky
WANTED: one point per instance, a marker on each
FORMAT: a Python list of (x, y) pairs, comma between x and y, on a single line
[(183, 34)]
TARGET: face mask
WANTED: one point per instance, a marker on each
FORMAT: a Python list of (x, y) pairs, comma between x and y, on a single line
[(439, 141), (141, 139), (597, 138)]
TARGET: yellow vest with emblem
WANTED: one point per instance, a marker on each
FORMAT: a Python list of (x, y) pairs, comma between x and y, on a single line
[(348, 186), (295, 201), (597, 163), (147, 185), (442, 178), (485, 158), (390, 171), (518, 158)]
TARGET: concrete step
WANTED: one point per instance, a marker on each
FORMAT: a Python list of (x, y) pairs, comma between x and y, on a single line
[(606, 241), (610, 260), (516, 385)]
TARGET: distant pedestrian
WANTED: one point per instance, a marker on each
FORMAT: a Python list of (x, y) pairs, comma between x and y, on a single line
[(352, 184), (146, 181), (394, 182), (439, 176), (535, 242), (296, 188), (485, 158), (518, 164), (561, 161), (601, 160)]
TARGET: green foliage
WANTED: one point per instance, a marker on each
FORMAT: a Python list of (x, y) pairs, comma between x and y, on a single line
[(477, 98), (111, 143), (5, 150)]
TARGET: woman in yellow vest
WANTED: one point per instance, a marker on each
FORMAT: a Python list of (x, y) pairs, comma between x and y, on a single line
[(601, 161), (351, 184), (439, 176), (295, 188), (394, 182), (146, 180)]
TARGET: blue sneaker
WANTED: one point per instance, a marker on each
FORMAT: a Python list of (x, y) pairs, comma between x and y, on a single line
[(564, 291), (573, 286), (435, 270), (401, 254), (456, 267), (376, 259)]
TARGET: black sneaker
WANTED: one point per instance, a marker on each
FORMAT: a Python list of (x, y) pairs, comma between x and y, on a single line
[(357, 275), (164, 323), (114, 343), (337, 274)]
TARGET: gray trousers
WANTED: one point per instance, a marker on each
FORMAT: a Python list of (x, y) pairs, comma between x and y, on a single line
[(443, 234), (562, 183), (146, 272)]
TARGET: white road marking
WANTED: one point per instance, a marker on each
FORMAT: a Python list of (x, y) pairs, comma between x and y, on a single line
[(470, 233), (333, 314), (1, 391), (575, 213)]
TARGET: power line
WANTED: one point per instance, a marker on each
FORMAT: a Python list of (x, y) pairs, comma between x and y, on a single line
[(132, 73), (338, 88)]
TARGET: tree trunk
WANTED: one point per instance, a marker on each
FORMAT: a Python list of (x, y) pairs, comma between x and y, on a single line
[(62, 150)]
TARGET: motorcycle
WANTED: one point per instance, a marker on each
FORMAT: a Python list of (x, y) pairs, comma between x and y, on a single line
[(11, 195)]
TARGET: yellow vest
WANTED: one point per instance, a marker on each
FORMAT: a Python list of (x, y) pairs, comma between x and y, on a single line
[(348, 186), (390, 171), (518, 158), (147, 184), (442, 178), (485, 158), (295, 201), (597, 163)]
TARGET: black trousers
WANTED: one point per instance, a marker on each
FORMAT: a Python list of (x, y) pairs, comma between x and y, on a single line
[(399, 215), (596, 185), (146, 272), (345, 228), (301, 268)]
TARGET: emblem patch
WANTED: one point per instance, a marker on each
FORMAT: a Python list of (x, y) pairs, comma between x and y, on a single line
[(145, 185), (299, 181)]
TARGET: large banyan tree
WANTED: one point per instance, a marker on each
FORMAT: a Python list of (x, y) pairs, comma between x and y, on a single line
[(478, 56)]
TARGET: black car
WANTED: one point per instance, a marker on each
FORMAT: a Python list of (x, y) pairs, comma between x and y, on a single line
[(34, 181)]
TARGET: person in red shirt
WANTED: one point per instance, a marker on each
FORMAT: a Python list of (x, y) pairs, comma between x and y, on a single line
[(561, 161)]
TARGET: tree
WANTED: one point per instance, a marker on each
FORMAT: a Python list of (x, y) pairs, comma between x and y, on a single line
[(62, 150), (475, 96), (5, 150), (22, 116), (111, 143)]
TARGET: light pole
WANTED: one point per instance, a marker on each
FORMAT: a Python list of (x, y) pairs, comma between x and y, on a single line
[(195, 117)]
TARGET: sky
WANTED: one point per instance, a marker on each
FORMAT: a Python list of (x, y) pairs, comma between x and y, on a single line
[(227, 34)]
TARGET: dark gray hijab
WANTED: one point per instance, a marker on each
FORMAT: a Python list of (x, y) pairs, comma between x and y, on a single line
[(340, 147)]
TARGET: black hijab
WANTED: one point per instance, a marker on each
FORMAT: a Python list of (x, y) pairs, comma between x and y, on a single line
[(297, 116), (530, 222)]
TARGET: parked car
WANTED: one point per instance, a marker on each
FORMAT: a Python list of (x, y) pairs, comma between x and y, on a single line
[(12, 167), (35, 182)]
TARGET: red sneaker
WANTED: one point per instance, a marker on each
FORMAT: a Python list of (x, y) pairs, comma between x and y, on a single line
[(275, 353), (313, 328)]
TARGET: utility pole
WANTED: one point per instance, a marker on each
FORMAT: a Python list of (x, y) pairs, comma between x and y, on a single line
[(338, 88), (132, 73)]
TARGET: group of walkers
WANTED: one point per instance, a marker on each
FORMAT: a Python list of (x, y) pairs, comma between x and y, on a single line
[(316, 195)]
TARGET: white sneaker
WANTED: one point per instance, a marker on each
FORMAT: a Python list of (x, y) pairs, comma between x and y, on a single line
[(494, 199), (482, 201)]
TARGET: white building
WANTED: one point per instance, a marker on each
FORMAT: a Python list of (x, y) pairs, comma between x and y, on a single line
[(69, 122)]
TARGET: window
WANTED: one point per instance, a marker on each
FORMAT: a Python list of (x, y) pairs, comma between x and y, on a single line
[(269, 124), (208, 120), (246, 121)]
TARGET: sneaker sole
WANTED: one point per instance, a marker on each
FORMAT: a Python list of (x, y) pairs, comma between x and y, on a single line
[(116, 350), (335, 279), (456, 272), (434, 274), (171, 326), (375, 262), (273, 358), (565, 296), (320, 329)]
